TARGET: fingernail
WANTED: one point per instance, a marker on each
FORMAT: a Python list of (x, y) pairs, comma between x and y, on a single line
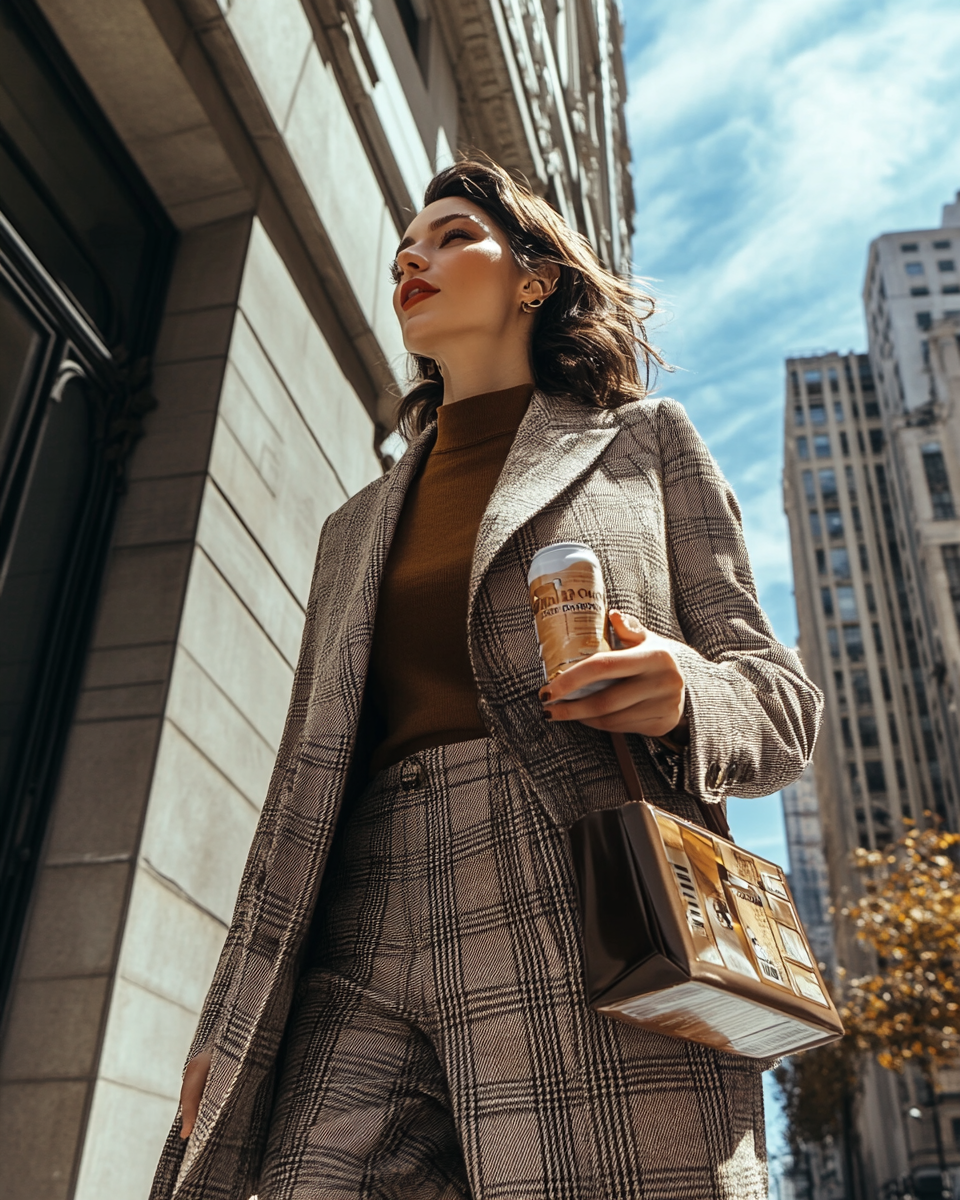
[(545, 695), (547, 715)]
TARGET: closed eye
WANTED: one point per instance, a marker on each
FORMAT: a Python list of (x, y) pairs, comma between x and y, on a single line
[(450, 234)]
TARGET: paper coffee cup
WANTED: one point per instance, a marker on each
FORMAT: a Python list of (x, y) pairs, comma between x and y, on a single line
[(569, 604)]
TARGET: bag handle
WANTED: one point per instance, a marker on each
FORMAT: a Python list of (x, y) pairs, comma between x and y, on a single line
[(712, 814)]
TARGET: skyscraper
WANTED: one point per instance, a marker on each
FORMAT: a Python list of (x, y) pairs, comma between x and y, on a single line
[(871, 477)]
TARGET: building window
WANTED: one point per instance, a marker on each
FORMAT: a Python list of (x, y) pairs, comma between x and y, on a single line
[(857, 523), (803, 448), (941, 245), (851, 482), (844, 444), (834, 380), (838, 684), (828, 483), (924, 321), (840, 563), (838, 412), (416, 26), (864, 560), (871, 410), (913, 268), (861, 687), (834, 520), (833, 641), (845, 730), (847, 604), (798, 417), (876, 441), (814, 383), (885, 684), (951, 564), (795, 384), (919, 291), (85, 270), (894, 732), (818, 414), (815, 529), (946, 264), (869, 734), (853, 641), (950, 289), (877, 638), (876, 780), (821, 445), (821, 562), (808, 487), (909, 247), (871, 598), (826, 599), (935, 469)]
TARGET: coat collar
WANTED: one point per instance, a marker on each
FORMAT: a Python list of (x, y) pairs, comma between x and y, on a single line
[(558, 440)]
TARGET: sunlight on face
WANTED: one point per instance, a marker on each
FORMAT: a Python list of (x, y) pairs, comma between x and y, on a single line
[(456, 278)]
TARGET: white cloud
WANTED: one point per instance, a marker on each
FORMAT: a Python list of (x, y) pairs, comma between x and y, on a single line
[(771, 142)]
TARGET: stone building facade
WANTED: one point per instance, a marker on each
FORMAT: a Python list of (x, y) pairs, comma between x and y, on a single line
[(199, 200)]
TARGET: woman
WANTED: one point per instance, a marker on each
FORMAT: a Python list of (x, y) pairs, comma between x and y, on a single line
[(399, 1009)]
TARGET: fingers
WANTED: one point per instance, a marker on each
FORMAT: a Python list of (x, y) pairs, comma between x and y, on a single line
[(191, 1091), (641, 661), (644, 697)]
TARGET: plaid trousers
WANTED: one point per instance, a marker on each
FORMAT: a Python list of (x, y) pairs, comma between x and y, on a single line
[(440, 1045)]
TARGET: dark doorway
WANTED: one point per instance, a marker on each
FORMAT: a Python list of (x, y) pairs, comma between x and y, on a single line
[(84, 258)]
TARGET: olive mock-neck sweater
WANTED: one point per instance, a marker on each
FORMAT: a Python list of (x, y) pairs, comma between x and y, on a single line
[(421, 681)]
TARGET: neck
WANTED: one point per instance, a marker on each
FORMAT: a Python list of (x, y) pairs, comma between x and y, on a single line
[(474, 371)]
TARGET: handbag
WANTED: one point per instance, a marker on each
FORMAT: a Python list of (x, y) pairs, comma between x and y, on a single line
[(688, 935)]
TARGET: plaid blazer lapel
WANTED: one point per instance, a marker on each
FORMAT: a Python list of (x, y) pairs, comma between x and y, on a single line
[(558, 440)]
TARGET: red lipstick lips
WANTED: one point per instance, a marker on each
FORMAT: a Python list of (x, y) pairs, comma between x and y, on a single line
[(414, 290)]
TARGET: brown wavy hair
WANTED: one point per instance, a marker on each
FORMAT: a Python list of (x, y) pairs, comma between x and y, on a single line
[(589, 338)]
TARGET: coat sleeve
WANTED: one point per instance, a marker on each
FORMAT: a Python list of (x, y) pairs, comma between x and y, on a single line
[(753, 712)]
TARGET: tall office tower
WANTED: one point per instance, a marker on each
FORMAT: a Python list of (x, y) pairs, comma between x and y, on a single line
[(808, 866), (869, 771), (912, 301)]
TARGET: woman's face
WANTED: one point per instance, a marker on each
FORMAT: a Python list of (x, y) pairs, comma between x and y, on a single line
[(457, 281)]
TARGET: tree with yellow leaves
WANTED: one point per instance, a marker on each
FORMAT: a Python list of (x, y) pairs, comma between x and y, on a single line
[(909, 1010)]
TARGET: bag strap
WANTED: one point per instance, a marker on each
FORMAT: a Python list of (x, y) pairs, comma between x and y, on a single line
[(712, 814)]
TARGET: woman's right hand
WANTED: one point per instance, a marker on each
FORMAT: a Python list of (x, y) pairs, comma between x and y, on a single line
[(191, 1090)]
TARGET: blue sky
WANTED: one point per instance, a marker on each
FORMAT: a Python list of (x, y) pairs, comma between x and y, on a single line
[(771, 141)]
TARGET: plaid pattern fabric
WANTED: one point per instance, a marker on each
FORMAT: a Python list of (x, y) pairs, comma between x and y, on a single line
[(441, 1044), (639, 486)]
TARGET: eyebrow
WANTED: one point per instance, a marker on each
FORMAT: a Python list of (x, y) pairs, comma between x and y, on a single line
[(439, 223)]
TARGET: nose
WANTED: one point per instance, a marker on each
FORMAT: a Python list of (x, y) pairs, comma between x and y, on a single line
[(410, 261)]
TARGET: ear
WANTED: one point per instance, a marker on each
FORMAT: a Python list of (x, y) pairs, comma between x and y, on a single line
[(541, 283)]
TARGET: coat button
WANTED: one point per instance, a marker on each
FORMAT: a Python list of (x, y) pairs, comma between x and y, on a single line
[(411, 775), (713, 775)]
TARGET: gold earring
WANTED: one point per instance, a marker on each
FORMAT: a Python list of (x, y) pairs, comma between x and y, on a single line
[(530, 305)]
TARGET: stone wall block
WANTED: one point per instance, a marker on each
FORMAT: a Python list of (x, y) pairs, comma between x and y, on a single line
[(171, 945), (202, 333), (126, 1132), (250, 573), (39, 1132), (75, 920), (274, 40), (219, 729), (142, 595), (159, 510), (209, 266), (53, 1029), (199, 828), (103, 789)]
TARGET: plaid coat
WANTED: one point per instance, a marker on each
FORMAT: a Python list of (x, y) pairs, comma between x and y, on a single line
[(638, 485)]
